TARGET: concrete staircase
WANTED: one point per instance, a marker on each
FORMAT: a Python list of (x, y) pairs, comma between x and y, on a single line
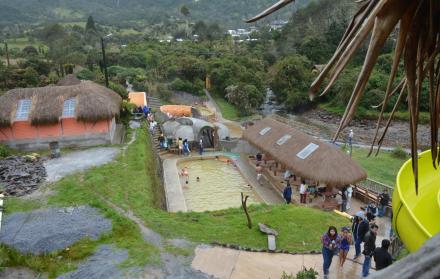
[(154, 103)]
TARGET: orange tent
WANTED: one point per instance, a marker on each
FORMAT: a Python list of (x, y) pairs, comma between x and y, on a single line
[(138, 98), (177, 110)]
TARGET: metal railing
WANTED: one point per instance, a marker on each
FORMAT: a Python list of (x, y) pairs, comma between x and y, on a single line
[(375, 186)]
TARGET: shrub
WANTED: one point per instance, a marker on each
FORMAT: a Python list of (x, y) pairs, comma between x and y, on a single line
[(307, 274), (4, 151), (164, 92), (399, 153), (141, 86), (303, 274), (119, 89), (86, 74)]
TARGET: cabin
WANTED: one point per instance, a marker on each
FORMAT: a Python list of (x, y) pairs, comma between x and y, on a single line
[(72, 113)]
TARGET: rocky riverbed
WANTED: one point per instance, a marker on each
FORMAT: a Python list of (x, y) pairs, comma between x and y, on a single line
[(364, 129)]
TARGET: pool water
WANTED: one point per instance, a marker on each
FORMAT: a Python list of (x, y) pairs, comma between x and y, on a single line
[(219, 187)]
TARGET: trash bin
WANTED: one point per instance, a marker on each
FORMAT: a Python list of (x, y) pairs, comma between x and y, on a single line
[(55, 149)]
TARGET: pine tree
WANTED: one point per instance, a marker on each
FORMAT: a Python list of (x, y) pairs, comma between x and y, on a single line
[(90, 24)]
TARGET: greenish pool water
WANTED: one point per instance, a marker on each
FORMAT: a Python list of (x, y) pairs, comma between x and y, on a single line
[(219, 186)]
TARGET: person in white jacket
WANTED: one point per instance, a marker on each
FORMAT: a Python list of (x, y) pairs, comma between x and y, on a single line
[(349, 195)]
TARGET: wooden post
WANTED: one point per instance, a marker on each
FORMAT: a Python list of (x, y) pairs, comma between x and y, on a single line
[(7, 54), (244, 205), (1, 209)]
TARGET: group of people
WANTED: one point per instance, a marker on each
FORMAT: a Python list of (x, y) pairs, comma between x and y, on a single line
[(184, 149), (362, 231)]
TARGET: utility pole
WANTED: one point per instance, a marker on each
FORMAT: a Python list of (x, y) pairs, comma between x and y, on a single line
[(7, 53)]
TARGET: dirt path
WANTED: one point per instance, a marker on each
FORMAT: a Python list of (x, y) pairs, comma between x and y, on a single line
[(234, 127), (78, 161)]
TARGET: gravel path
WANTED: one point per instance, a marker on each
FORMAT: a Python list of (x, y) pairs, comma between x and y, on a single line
[(78, 161), (102, 264), (47, 230)]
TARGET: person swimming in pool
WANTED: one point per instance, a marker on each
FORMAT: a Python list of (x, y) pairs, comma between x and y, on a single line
[(185, 173), (198, 179)]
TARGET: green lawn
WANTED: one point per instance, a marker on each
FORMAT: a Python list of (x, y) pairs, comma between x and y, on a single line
[(229, 111), (383, 167), (131, 183), (23, 42)]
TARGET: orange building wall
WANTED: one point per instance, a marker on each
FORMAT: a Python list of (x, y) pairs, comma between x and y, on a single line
[(67, 127)]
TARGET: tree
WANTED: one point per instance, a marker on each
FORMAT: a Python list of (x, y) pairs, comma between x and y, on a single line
[(245, 96), (30, 77), (290, 78), (184, 11), (90, 25), (30, 50)]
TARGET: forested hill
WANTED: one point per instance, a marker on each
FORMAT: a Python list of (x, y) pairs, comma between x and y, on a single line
[(229, 13)]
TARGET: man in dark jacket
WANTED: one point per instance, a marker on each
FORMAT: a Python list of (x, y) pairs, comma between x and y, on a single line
[(381, 256), (384, 199), (359, 228), (287, 193), (369, 247)]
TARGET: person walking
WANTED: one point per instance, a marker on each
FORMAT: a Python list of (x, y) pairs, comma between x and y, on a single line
[(287, 193), (349, 195), (344, 199), (369, 247), (201, 147), (382, 257), (180, 145), (303, 191), (384, 199), (330, 242), (344, 246), (186, 149), (259, 170), (359, 229), (161, 141)]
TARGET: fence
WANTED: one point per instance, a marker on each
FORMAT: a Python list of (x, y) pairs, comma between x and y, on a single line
[(375, 187)]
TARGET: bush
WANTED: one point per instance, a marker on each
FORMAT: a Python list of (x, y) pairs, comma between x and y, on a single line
[(119, 89), (4, 151), (126, 110), (86, 74), (164, 92), (399, 153), (141, 86), (303, 274)]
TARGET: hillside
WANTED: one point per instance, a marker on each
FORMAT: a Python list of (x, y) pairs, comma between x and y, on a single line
[(229, 13)]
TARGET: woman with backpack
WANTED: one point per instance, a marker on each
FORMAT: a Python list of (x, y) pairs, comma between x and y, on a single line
[(330, 243)]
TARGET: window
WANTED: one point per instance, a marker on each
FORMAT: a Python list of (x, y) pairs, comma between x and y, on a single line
[(264, 131), (283, 139), (309, 149), (24, 106), (69, 108)]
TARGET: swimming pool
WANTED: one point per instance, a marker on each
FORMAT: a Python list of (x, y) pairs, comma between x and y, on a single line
[(219, 186)]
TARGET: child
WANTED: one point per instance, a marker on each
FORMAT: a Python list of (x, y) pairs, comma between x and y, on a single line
[(344, 245)]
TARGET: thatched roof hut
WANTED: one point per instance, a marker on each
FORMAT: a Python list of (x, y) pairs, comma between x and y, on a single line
[(69, 80), (93, 102), (307, 157)]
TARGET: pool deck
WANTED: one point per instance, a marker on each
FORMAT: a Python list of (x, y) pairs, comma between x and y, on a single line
[(175, 198)]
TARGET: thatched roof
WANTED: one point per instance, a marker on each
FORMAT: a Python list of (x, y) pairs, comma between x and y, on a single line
[(327, 164), (93, 102), (69, 80)]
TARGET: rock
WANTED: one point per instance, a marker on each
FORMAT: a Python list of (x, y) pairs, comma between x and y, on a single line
[(264, 228), (271, 242), (20, 176)]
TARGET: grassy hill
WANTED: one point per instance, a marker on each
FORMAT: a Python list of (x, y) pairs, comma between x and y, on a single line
[(229, 12)]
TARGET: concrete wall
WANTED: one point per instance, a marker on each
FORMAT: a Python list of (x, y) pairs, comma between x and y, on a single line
[(238, 146), (68, 132)]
